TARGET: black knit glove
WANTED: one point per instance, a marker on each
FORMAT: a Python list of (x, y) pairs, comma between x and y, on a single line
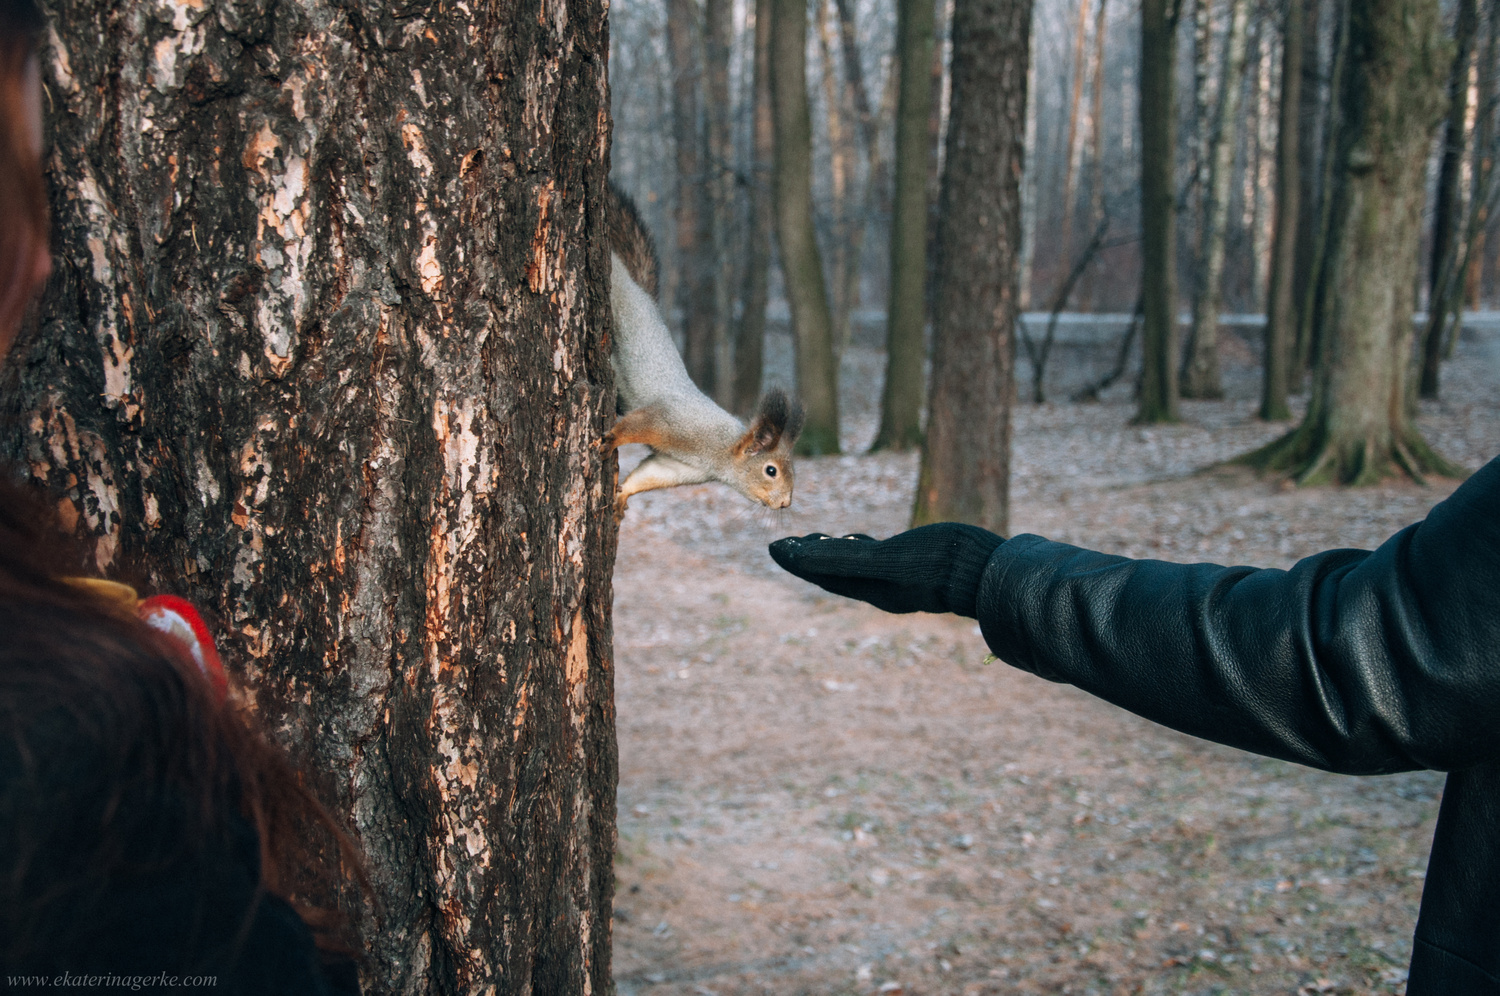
[(929, 569)]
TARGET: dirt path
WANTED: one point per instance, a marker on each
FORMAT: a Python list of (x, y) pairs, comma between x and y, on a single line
[(818, 798)]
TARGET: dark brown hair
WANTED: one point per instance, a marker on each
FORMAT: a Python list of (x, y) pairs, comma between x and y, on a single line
[(23, 195), (110, 736)]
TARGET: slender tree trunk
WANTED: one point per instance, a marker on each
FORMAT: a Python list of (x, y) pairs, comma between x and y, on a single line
[(1261, 179), (1200, 370), (1310, 171), (1096, 143), (750, 337), (965, 470), (801, 263), (338, 376), (1358, 427), (876, 190), (1281, 313), (694, 215), (840, 167), (901, 400), (1158, 395), (1314, 321), (718, 37), (1075, 101), (1446, 221)]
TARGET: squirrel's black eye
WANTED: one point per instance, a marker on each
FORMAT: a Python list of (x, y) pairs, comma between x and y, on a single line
[(770, 470)]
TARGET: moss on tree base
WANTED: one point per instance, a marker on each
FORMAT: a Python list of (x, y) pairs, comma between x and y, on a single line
[(1309, 455)]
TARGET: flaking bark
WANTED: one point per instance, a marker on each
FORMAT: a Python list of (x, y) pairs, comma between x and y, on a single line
[(324, 352)]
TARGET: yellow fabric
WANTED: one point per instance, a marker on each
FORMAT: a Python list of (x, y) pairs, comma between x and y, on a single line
[(120, 597)]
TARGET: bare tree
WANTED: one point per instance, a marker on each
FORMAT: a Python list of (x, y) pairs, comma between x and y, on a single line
[(695, 209), (1281, 313), (338, 376), (750, 334), (901, 400), (1358, 426), (1200, 370), (1446, 223), (801, 263), (966, 459), (718, 38), (1158, 394)]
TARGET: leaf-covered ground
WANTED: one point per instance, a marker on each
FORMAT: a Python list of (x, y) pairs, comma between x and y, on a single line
[(819, 798)]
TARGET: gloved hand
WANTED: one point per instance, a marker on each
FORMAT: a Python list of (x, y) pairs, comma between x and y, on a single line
[(932, 568)]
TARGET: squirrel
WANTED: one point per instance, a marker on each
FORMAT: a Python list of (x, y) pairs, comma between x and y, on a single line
[(692, 439)]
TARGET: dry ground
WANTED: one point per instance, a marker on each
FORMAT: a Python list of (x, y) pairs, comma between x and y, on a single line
[(819, 798)]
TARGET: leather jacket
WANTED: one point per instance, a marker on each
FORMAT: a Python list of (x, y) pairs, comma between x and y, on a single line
[(1358, 662)]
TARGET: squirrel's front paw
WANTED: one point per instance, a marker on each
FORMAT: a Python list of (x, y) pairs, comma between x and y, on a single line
[(620, 503)]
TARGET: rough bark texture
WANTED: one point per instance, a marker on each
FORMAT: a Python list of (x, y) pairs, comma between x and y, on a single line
[(965, 472), (1281, 312), (1358, 428), (324, 352), (1200, 369), (1158, 394), (906, 311), (801, 263), (750, 334)]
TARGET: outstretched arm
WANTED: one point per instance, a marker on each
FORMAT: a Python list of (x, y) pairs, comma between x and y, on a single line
[(1352, 661)]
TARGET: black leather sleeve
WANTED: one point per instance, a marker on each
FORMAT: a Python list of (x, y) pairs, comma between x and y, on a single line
[(1352, 661)]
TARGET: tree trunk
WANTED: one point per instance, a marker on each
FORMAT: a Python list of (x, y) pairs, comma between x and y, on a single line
[(840, 138), (1281, 313), (965, 473), (324, 352), (1158, 394), (1358, 427), (1096, 143), (1070, 159), (718, 37), (1200, 370), (750, 336), (905, 344), (876, 193), (1260, 169), (1446, 220), (694, 214), (801, 263), (1311, 149)]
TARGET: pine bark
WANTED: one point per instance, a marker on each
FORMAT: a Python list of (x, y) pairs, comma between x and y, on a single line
[(801, 262), (750, 334), (1281, 312), (1158, 393), (323, 353), (1358, 427), (1200, 370), (965, 471), (906, 310)]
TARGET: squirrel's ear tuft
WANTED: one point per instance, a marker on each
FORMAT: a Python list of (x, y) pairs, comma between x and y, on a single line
[(778, 422)]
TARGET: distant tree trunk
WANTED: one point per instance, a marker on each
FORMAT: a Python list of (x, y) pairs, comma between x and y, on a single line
[(876, 191), (801, 263), (1200, 369), (901, 400), (1203, 103), (965, 472), (1310, 171), (1075, 101), (750, 336), (338, 376), (1313, 322), (843, 263), (1158, 395), (1260, 169), (694, 215), (718, 37), (1281, 313), (1358, 427), (1446, 223), (1096, 141)]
